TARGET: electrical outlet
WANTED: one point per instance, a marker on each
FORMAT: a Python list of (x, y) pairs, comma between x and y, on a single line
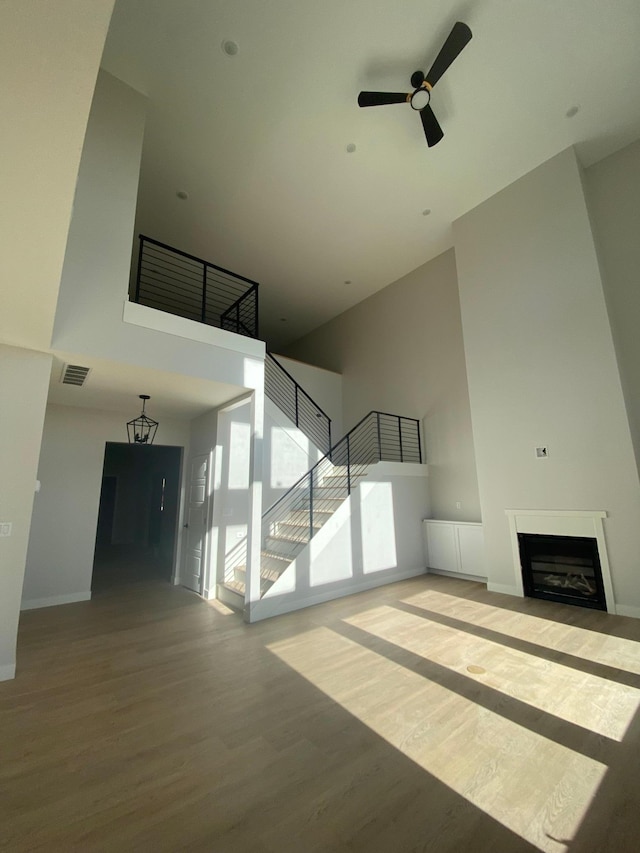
[(5, 528), (542, 452)]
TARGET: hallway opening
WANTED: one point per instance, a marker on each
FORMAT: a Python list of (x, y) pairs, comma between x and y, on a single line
[(137, 519)]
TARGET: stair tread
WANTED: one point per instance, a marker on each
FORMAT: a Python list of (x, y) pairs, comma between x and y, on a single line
[(235, 586), (274, 556), (270, 575), (277, 537), (240, 586), (305, 514)]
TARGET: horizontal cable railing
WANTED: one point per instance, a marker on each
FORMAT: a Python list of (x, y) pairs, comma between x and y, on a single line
[(298, 515), (282, 389), (179, 283)]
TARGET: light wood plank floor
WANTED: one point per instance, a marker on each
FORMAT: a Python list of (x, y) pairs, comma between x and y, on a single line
[(425, 716)]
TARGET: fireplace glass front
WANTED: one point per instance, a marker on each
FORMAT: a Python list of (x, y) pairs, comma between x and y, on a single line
[(562, 568)]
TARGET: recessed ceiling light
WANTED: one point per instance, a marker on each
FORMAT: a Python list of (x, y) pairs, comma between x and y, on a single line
[(351, 148), (571, 112), (182, 195), (230, 47), (426, 212)]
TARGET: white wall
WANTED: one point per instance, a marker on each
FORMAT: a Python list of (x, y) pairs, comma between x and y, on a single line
[(93, 291), (65, 515), (231, 485), (96, 264), (401, 351), (287, 454), (542, 369), (49, 57), (323, 386), (613, 194), (374, 538), (24, 383), (202, 442)]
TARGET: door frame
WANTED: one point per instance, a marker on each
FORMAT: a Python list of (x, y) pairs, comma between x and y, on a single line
[(182, 516)]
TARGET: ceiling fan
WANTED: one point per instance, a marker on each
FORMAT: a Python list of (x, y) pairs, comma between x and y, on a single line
[(422, 84)]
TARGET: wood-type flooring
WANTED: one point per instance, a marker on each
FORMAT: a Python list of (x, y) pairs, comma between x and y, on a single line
[(429, 715)]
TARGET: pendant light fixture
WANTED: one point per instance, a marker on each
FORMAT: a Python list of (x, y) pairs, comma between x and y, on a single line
[(142, 430)]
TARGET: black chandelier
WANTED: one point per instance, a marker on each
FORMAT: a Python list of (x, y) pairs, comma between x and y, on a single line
[(142, 430)]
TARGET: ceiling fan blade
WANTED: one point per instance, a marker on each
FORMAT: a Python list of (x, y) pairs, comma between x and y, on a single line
[(378, 99), (432, 129), (457, 39)]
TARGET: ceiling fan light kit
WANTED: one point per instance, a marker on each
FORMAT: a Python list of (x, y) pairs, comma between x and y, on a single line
[(423, 84)]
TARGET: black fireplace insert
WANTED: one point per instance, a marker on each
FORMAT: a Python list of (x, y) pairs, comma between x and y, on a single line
[(562, 568)]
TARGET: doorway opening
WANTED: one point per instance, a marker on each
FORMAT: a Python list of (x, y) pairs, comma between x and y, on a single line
[(138, 514)]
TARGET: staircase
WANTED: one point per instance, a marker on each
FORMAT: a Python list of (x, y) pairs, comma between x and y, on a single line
[(173, 281), (286, 537), (289, 524)]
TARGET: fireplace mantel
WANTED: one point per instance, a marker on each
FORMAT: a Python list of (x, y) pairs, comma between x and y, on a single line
[(561, 522)]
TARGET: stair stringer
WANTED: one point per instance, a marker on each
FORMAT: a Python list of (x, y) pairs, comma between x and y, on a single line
[(373, 538)]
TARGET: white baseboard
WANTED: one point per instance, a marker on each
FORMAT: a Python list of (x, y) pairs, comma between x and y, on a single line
[(505, 589), (458, 575), (626, 610), (7, 671), (287, 603), (54, 600)]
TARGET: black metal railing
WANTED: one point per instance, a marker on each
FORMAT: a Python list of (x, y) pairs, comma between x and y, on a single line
[(297, 405), (179, 283), (305, 507), (378, 437)]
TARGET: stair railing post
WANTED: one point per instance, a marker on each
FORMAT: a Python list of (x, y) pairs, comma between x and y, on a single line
[(419, 442), (379, 438), (238, 318), (204, 292), (400, 438), (139, 273), (348, 468), (311, 504), (295, 393), (255, 310), (329, 431)]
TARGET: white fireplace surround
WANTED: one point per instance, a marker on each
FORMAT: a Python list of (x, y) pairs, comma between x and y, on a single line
[(552, 522)]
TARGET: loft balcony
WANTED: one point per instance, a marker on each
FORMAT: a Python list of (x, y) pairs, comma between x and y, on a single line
[(181, 284)]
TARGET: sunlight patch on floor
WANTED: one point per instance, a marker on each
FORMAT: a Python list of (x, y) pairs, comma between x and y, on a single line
[(538, 788), (594, 646), (221, 608), (594, 703)]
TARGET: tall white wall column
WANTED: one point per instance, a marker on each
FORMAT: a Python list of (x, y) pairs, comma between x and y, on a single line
[(24, 384), (542, 369)]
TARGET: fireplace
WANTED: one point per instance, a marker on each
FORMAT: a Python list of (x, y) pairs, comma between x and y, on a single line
[(552, 524), (562, 568)]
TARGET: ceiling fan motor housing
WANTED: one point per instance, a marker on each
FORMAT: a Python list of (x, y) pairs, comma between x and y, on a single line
[(420, 98)]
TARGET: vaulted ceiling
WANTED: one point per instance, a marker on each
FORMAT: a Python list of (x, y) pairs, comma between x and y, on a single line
[(258, 140)]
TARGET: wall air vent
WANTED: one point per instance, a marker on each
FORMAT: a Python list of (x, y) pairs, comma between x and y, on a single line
[(74, 374)]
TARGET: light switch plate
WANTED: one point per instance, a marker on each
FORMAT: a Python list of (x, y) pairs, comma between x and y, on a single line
[(5, 528), (542, 452)]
